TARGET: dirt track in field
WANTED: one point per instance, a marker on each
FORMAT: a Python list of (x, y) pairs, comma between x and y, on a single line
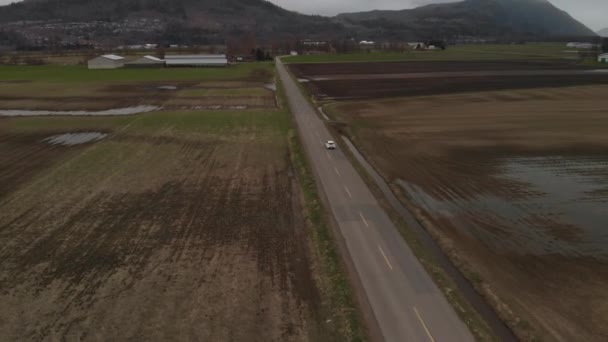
[(156, 236), (516, 182)]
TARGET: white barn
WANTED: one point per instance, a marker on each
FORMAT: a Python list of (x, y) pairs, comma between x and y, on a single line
[(603, 58), (106, 62), (146, 62), (196, 60), (578, 45)]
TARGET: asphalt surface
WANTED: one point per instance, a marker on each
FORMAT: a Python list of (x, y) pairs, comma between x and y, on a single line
[(406, 303)]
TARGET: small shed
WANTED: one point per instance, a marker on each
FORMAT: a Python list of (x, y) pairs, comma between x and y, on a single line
[(196, 60), (603, 58), (146, 62), (106, 62)]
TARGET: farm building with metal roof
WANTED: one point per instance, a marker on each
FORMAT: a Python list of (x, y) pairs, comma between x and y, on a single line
[(146, 62), (196, 60), (106, 62)]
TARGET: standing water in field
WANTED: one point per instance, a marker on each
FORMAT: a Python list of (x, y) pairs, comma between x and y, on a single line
[(116, 111), (70, 139), (554, 205)]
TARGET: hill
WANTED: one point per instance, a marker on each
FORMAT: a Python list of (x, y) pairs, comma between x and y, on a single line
[(116, 22), (179, 21), (603, 32), (479, 18)]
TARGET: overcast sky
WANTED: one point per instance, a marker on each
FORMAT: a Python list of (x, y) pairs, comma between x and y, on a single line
[(593, 13)]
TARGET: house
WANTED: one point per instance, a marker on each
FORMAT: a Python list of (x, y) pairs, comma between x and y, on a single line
[(196, 60), (417, 46), (106, 62), (243, 58), (314, 47), (603, 58), (146, 62), (578, 45)]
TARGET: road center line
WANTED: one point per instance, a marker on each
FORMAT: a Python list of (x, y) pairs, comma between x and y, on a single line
[(348, 192), (337, 172), (364, 220), (424, 325), (385, 258)]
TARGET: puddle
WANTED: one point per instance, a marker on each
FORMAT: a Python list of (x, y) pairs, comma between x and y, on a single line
[(117, 111), (212, 107), (167, 87), (563, 212), (271, 86), (70, 139)]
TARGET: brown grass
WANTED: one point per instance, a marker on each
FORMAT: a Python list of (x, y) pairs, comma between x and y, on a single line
[(178, 226)]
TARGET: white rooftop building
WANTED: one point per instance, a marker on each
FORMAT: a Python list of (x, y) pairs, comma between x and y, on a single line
[(603, 58), (196, 60), (106, 62), (146, 61)]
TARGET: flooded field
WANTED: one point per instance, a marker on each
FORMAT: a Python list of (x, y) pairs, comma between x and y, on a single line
[(116, 111), (548, 206), (515, 184), (70, 139)]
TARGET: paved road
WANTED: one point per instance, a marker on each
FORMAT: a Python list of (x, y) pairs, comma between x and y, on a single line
[(406, 303)]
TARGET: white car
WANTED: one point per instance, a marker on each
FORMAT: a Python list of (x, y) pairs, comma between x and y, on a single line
[(330, 145)]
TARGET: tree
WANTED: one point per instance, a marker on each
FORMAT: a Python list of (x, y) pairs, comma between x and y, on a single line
[(438, 44), (259, 54), (604, 44)]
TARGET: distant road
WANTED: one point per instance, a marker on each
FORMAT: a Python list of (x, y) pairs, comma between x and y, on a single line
[(406, 303), (448, 74)]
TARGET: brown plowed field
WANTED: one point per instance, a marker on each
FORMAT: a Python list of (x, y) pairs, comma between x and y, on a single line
[(427, 78), (177, 226), (515, 184), (316, 69), (363, 89)]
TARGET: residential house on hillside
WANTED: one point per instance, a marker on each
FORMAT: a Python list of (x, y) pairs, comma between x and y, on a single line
[(314, 47)]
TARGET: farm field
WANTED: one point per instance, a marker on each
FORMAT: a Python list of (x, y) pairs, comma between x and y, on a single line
[(453, 53), (379, 79), (169, 225), (75, 88), (513, 183)]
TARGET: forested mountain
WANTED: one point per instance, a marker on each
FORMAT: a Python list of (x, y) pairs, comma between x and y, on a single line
[(490, 18)]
